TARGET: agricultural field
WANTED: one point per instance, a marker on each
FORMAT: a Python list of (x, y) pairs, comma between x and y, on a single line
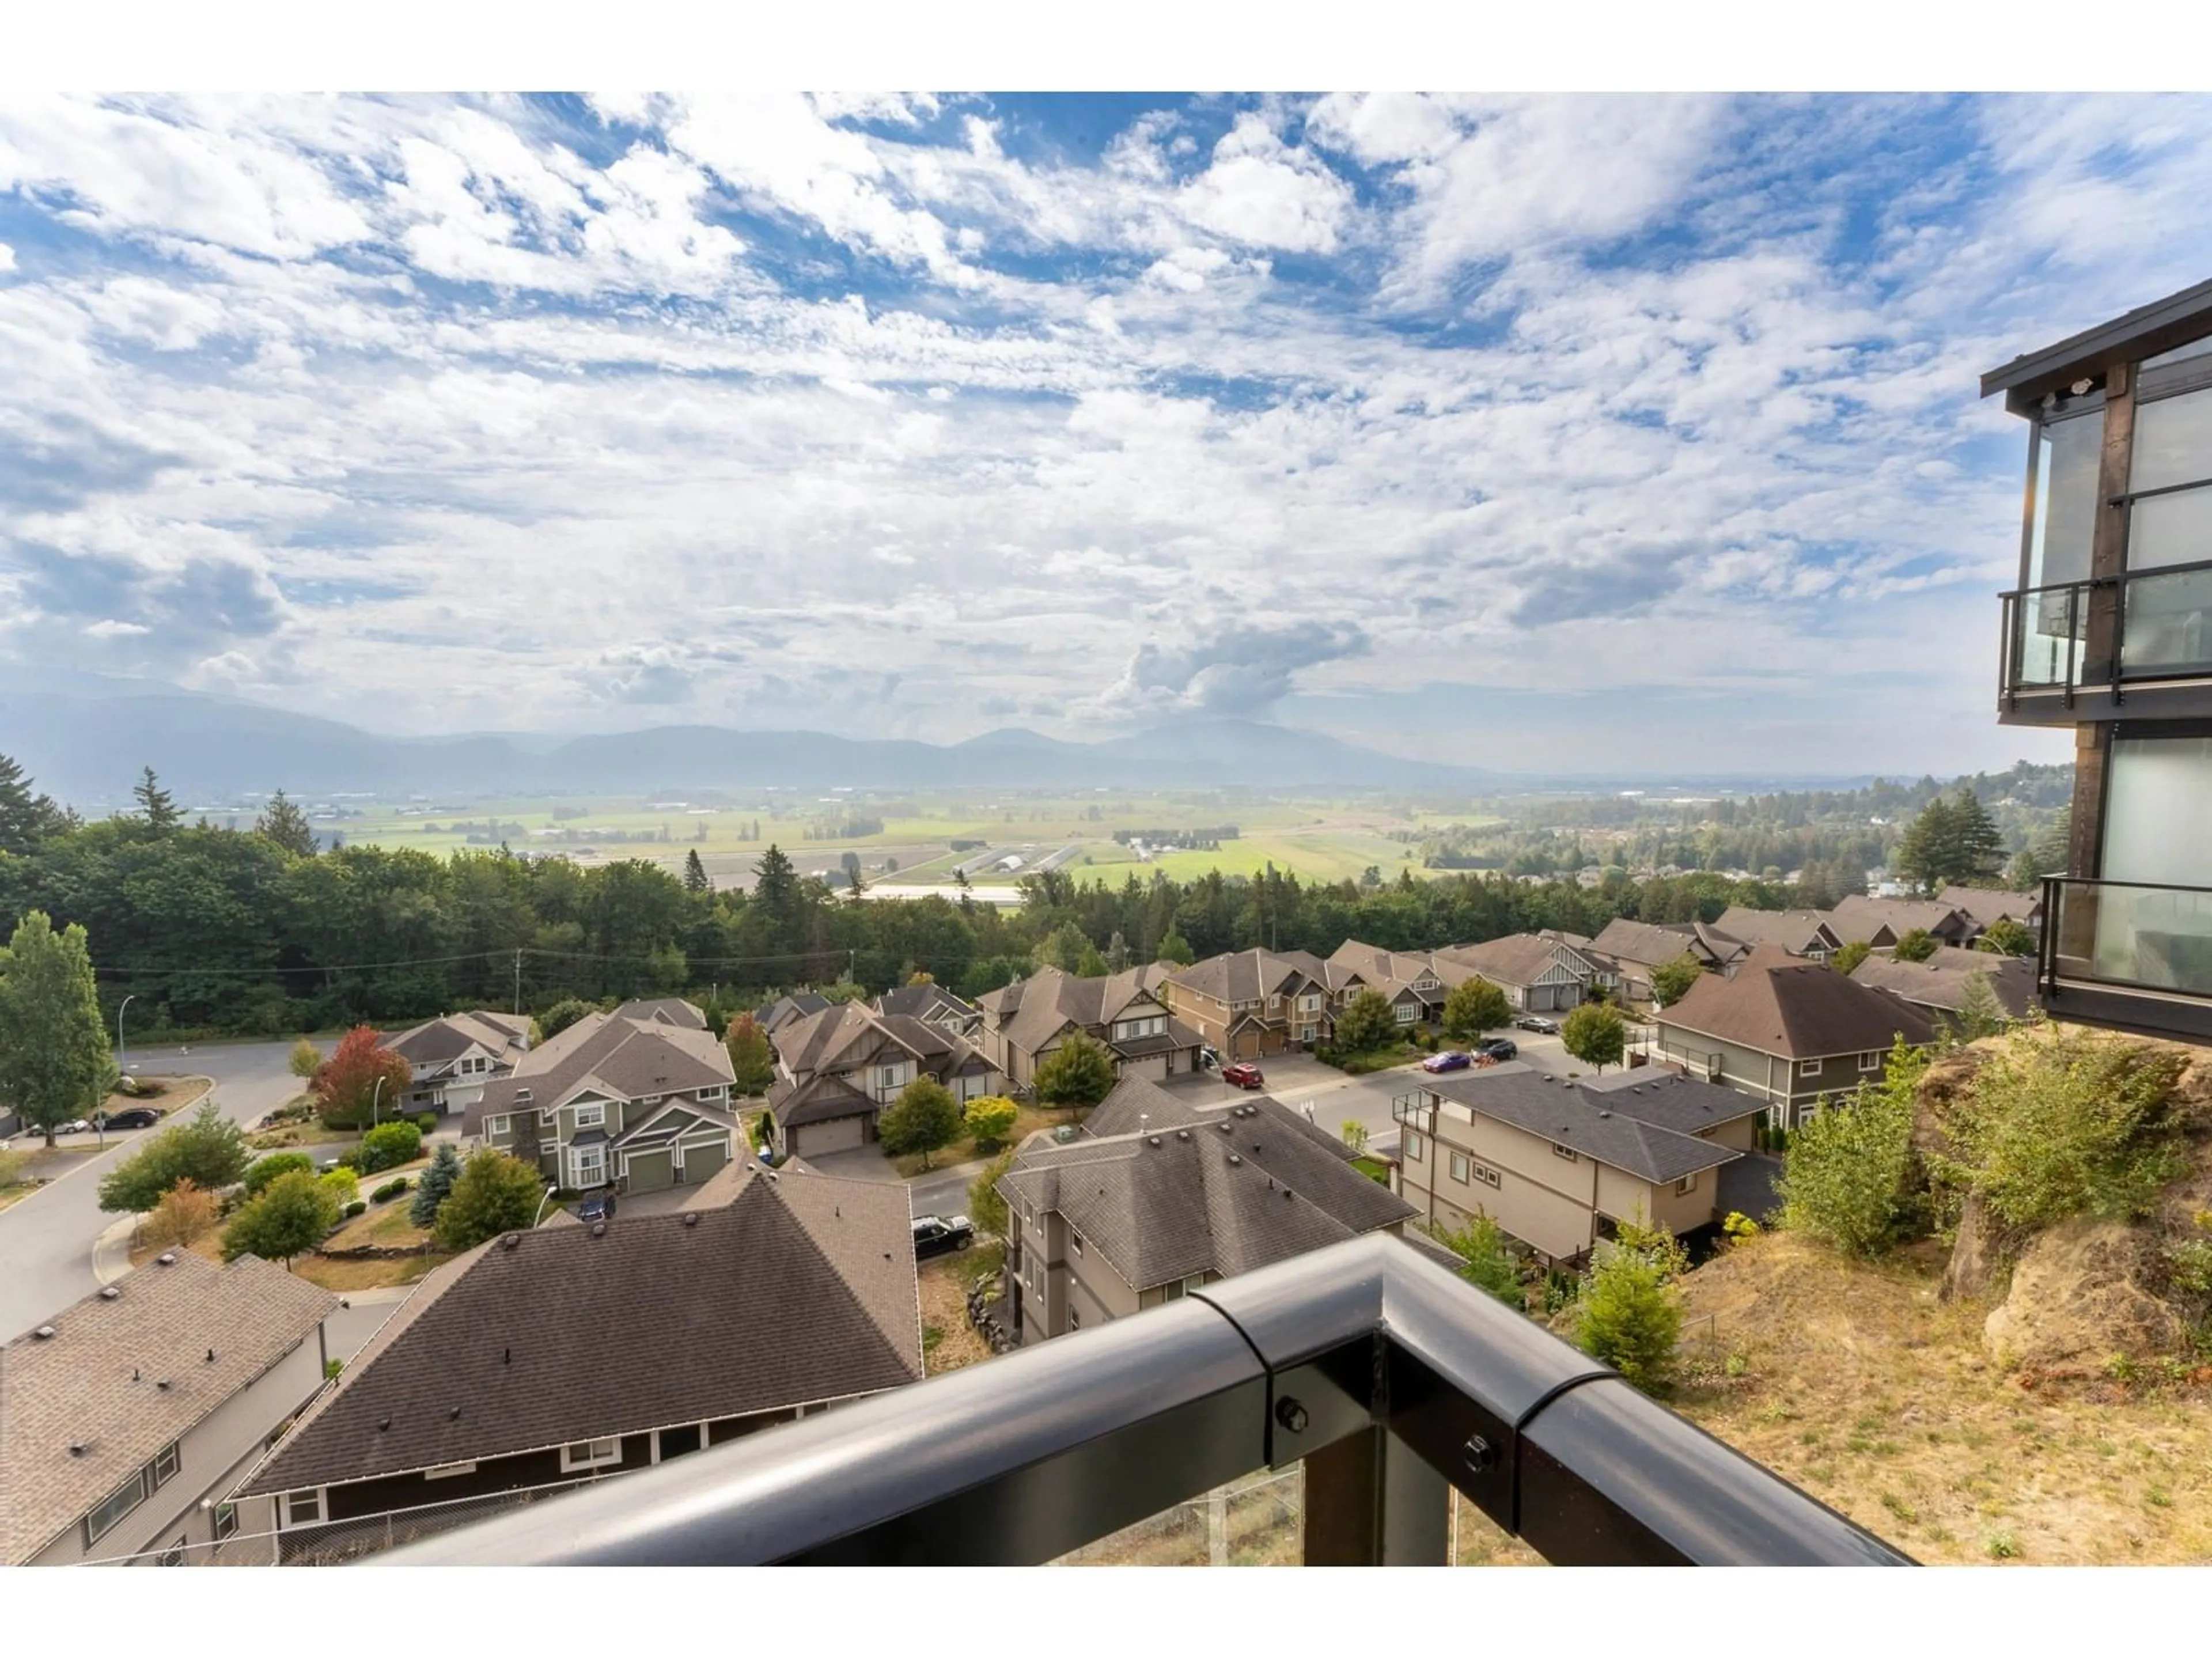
[(906, 840)]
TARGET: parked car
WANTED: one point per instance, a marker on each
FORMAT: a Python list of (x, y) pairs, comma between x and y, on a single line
[(1450, 1060), (1496, 1048), (135, 1117), (1243, 1075), (75, 1126), (597, 1206), (940, 1234), (1537, 1023), (1209, 1057)]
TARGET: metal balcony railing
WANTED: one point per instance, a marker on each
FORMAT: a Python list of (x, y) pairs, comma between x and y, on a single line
[(1415, 1111), (1381, 1371), (2160, 629), (2126, 935)]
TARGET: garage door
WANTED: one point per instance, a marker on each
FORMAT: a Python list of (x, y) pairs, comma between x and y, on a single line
[(1247, 1045), (1151, 1067), (650, 1172), (700, 1162), (837, 1134)]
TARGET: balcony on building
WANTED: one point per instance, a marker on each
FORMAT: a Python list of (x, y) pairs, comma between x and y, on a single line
[(2113, 617), (2128, 956), (1374, 1380)]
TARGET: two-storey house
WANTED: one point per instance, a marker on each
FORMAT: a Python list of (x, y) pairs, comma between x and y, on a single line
[(1800, 932), (932, 1005), (1245, 1004), (1538, 975), (1938, 987), (1407, 979), (567, 1353), (836, 1070), (2109, 635), (1558, 1161), (126, 1419), (1025, 1023), (636, 1104), (1880, 922), (1989, 906), (1786, 1032), (1636, 948), (452, 1058), (1160, 1197)]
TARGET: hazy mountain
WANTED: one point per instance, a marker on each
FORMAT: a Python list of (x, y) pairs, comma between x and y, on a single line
[(85, 745)]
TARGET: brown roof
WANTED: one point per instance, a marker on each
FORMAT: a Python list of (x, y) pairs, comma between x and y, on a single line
[(1035, 1011), (1941, 982), (626, 1058), (1988, 907), (1646, 945), (1856, 918), (1388, 971), (669, 1010), (1795, 931), (798, 1289), (1516, 959), (1802, 1010), (1238, 1189), (125, 1375), (1239, 976)]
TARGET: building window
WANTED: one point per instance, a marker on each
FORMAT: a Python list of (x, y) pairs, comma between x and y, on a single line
[(590, 1454), (124, 1499), (496, 1129), (590, 1164), (1869, 1062), (1459, 1167), (1808, 1068), (1413, 1145), (591, 1117), (299, 1509), (165, 1464), (1567, 1152), (226, 1521), (1483, 1173), (447, 1471), (1310, 1004), (1075, 1240), (1688, 1183), (1407, 1013)]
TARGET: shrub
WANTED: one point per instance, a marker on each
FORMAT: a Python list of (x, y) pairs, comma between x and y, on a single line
[(426, 1122), (342, 1185), (307, 1059), (1355, 1134), (1631, 1312), (293, 1214), (207, 1149), (1485, 1261), (1848, 1181), (2064, 1122), (985, 1207), (389, 1145), (185, 1212), (493, 1194), (390, 1190), (989, 1119), (353, 1209), (276, 1164)]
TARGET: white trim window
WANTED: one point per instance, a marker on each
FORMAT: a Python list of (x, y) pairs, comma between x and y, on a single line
[(300, 1509), (1869, 1062), (587, 1166), (1685, 1186), (1808, 1068), (447, 1471), (497, 1127), (1308, 1004), (1407, 1013), (591, 1115), (165, 1463), (226, 1521), (590, 1454), (1461, 1167), (1566, 1153), (1413, 1145)]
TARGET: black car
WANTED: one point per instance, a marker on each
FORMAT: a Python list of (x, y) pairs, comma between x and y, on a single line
[(1496, 1048), (597, 1206), (1537, 1023), (940, 1234), (135, 1117)]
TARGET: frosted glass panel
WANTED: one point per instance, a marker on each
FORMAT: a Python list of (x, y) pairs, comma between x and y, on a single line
[(2173, 441), (2158, 811), (2174, 529)]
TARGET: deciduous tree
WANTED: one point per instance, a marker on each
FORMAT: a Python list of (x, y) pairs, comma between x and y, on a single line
[(264, 1170), (1486, 1260), (1595, 1036), (989, 1119), (207, 1149), (1366, 1024), (2007, 937), (750, 1056), (185, 1212), (1919, 945), (1474, 1006), (307, 1059), (293, 1215), (985, 1207), (1671, 980), (1078, 1074), (1848, 1179), (493, 1194), (55, 1064), (561, 1015), (1847, 959), (924, 1119), (345, 1086)]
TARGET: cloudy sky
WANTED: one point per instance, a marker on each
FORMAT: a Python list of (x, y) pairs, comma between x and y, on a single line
[(1546, 432)]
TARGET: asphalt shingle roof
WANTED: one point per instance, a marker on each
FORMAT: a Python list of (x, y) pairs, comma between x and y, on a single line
[(1516, 959), (1643, 944), (1606, 1128), (1988, 907), (1795, 930), (669, 1010), (1802, 1010), (1941, 982), (1239, 977), (627, 1058), (794, 1289), (123, 1376), (454, 1035), (1856, 918)]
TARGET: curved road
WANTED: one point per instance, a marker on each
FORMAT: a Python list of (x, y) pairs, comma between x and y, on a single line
[(47, 1240)]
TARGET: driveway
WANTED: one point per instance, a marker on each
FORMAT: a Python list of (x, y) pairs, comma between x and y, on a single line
[(942, 1191), (47, 1240)]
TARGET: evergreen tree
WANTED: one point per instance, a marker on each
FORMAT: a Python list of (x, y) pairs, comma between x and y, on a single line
[(775, 890), (284, 822), (207, 1149), (1979, 1014), (695, 874), (1953, 840), (27, 820), (1366, 1023), (1117, 953), (157, 803), (1092, 965), (1175, 948), (1485, 1259), (55, 1064), (437, 1180), (1630, 1311)]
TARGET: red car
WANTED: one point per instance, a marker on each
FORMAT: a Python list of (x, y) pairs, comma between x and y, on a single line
[(1243, 1076)]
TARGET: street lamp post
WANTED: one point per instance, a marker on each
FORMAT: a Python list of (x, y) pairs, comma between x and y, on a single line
[(540, 1216), (374, 1096), (122, 1054)]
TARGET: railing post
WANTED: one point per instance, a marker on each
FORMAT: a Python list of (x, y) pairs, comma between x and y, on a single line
[(1372, 1501)]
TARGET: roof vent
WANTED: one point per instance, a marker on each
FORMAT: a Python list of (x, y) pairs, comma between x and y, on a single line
[(109, 1292), (1233, 1159), (691, 1218), (510, 1241), (1604, 1113), (521, 1094), (167, 1258), (163, 1385), (211, 1358), (1182, 1134), (599, 1230), (454, 1415), (1152, 1140), (383, 1424), (78, 1447), (44, 1332), (1286, 1192), (1225, 1129)]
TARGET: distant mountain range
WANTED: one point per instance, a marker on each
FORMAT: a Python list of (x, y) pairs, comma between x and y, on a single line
[(86, 743)]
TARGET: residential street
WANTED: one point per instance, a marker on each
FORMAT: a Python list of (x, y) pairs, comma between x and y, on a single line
[(47, 1240)]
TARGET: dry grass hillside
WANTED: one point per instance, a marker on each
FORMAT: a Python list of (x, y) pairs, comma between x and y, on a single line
[(1859, 1383)]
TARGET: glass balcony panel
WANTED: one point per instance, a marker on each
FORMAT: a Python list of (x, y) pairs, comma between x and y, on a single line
[(2164, 626), (2052, 628), (1256, 1522), (2173, 442), (2157, 938)]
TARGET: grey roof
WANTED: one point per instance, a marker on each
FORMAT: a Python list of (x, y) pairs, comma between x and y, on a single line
[(1800, 1010), (1668, 1100), (1239, 976), (1751, 1187), (670, 1011), (451, 1036), (1941, 982), (627, 1058), (1032, 1011), (1988, 905), (1138, 1105), (1250, 1186), (1516, 959), (927, 1002), (1596, 1126), (790, 1290), (815, 1098), (784, 1009), (1646, 945), (1795, 930), (123, 1376), (839, 1039)]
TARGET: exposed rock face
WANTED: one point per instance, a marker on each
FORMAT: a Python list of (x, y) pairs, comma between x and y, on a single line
[(1948, 1077), (2080, 1292), (1976, 1254)]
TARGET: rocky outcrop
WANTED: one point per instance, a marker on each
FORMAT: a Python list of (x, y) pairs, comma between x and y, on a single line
[(1977, 1254), (2082, 1291)]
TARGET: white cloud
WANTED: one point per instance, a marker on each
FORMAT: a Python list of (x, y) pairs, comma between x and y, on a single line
[(111, 630), (6, 257)]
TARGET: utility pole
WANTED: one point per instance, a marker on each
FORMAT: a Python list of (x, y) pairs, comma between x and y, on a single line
[(518, 982)]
